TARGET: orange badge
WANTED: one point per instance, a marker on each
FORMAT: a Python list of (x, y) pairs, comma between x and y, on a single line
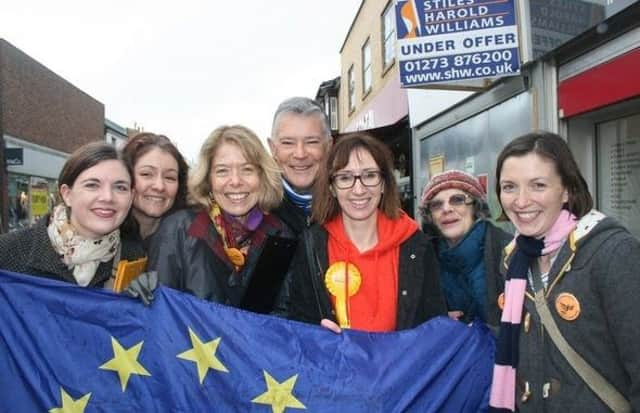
[(567, 306), (501, 301), (235, 256)]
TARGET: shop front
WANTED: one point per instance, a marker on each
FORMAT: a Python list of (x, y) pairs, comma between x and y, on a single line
[(599, 104), (32, 186)]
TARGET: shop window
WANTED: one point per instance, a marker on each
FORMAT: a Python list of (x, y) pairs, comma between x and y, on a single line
[(333, 112), (366, 68), (618, 170), (388, 36), (352, 89)]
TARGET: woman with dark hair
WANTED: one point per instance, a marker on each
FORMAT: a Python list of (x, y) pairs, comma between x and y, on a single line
[(160, 183), (212, 249), (364, 264), (571, 282), (80, 241), (468, 245)]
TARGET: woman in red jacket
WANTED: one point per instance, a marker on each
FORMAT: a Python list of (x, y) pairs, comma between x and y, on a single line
[(364, 264)]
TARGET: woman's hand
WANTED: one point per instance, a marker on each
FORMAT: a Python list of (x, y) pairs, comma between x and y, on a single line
[(455, 315), (330, 325)]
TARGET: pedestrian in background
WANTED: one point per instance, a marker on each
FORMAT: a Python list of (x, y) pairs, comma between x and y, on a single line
[(571, 283), (468, 245)]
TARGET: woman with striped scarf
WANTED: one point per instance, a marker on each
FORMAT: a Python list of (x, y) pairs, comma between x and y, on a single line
[(569, 269)]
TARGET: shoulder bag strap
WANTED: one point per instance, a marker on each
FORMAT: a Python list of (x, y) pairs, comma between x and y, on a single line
[(598, 384)]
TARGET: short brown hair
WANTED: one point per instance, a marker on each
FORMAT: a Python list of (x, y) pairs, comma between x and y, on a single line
[(550, 146), (85, 157), (270, 192), (325, 206), (142, 143)]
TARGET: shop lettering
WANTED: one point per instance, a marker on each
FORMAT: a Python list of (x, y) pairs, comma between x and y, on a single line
[(493, 40), (444, 15), (428, 47), (442, 4), (464, 25)]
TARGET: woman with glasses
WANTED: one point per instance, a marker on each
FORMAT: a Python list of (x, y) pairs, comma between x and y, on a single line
[(468, 245), (364, 264)]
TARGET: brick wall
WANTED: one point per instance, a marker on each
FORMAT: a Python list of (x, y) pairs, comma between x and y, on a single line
[(41, 107)]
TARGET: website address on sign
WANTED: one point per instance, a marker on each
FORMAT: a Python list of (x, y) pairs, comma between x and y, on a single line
[(459, 74)]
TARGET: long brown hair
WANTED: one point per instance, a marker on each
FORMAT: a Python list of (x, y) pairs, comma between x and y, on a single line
[(144, 142), (325, 206)]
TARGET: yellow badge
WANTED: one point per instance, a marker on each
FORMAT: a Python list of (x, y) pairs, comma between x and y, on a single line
[(567, 306), (501, 301), (339, 277), (235, 256)]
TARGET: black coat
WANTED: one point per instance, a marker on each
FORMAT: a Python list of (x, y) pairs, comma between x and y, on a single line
[(419, 294), (293, 216), (29, 251), (185, 251)]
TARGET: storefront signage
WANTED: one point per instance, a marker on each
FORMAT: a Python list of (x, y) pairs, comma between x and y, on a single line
[(619, 171), (366, 121), (38, 197), (448, 42), (13, 156), (436, 165)]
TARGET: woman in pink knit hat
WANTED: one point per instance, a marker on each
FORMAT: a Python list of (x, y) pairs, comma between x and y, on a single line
[(468, 245)]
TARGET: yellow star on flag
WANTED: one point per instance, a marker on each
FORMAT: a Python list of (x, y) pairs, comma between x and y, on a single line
[(279, 395), (125, 362), (69, 405), (204, 355)]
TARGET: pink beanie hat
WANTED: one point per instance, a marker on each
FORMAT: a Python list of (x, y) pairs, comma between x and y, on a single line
[(453, 179)]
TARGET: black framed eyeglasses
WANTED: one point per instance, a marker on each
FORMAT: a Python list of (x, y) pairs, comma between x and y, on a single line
[(455, 200), (366, 178)]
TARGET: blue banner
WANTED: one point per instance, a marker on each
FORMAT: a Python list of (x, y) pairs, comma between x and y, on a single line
[(69, 349)]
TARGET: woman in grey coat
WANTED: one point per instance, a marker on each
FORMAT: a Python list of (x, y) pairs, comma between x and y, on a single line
[(583, 265)]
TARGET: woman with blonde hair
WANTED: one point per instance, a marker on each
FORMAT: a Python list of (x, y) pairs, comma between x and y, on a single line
[(211, 249)]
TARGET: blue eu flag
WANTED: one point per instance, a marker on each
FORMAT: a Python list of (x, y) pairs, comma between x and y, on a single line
[(69, 349)]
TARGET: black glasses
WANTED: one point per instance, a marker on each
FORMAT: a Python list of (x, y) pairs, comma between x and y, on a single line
[(366, 178), (455, 200)]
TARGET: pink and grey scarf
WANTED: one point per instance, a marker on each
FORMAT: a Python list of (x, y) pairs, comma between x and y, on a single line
[(528, 249)]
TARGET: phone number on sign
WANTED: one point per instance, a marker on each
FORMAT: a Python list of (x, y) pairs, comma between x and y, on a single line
[(444, 62)]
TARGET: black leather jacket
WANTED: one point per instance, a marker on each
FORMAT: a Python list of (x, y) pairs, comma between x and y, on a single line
[(183, 253), (419, 294)]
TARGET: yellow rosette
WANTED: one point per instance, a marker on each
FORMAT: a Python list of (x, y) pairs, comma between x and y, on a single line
[(335, 279)]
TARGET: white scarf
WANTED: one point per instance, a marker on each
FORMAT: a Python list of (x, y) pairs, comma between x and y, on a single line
[(80, 254)]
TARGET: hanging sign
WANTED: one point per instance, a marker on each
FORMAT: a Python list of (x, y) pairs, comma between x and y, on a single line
[(456, 43)]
